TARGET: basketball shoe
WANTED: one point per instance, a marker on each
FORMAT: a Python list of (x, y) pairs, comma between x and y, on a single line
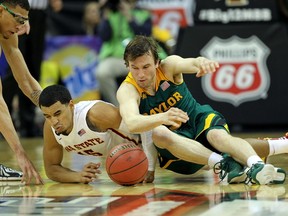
[(244, 177), (263, 174), (230, 168), (8, 174)]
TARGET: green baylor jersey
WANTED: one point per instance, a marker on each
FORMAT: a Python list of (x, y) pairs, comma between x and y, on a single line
[(201, 118), (169, 94)]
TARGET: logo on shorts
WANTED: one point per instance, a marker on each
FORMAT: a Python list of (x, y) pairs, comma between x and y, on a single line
[(243, 75)]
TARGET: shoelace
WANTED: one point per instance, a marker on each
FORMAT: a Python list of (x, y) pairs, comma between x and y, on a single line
[(248, 178), (220, 168), (249, 175), (9, 169)]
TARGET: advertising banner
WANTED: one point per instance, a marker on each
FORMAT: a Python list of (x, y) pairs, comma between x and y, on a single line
[(170, 14), (250, 86), (72, 60), (236, 11)]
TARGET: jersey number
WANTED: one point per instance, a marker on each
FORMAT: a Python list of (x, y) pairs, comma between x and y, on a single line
[(90, 152)]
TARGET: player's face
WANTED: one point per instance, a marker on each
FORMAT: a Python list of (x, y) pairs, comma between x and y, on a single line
[(143, 70), (60, 117), (11, 20)]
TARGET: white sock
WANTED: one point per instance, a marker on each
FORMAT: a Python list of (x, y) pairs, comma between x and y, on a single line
[(253, 160), (278, 146), (213, 159)]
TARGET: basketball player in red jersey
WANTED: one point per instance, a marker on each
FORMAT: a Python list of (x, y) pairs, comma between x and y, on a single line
[(88, 128)]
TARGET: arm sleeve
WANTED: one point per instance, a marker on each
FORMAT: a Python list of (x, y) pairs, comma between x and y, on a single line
[(149, 149)]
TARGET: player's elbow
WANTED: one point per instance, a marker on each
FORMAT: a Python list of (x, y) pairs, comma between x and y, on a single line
[(132, 128), (131, 124), (51, 173)]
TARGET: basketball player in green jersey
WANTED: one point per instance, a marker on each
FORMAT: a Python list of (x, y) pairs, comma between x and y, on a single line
[(187, 135)]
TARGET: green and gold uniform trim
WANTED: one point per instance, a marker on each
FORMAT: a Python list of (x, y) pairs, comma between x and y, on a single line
[(160, 76)]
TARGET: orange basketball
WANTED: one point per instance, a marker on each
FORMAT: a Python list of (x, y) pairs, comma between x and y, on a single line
[(127, 164)]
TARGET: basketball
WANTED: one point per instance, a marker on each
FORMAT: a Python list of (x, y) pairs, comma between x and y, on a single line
[(126, 164)]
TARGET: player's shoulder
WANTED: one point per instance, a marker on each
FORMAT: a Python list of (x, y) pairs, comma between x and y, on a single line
[(103, 115), (167, 65), (101, 108), (170, 61), (128, 86), (170, 58)]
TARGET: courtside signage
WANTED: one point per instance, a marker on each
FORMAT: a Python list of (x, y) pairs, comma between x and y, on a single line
[(243, 74)]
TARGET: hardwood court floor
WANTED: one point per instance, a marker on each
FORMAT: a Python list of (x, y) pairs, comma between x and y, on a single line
[(170, 195)]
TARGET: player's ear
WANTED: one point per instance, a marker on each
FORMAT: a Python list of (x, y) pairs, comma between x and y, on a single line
[(71, 103), (157, 63)]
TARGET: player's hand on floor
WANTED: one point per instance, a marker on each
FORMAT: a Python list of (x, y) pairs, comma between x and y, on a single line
[(149, 178), (30, 174), (90, 172)]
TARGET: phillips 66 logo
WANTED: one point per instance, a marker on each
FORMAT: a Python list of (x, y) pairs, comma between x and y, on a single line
[(243, 75)]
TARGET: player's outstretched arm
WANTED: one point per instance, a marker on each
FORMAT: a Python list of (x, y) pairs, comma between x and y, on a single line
[(28, 85), (200, 66), (9, 133)]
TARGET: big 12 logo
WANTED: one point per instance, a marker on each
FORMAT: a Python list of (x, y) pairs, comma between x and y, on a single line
[(243, 75)]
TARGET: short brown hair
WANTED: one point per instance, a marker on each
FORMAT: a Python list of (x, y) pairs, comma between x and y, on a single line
[(139, 46)]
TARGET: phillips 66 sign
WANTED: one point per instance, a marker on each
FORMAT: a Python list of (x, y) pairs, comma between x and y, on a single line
[(243, 75)]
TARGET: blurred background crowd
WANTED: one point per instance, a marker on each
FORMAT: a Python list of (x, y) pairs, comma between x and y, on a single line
[(80, 43)]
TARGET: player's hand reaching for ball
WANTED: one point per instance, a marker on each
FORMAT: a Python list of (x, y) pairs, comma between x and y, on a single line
[(89, 172), (28, 169), (149, 178)]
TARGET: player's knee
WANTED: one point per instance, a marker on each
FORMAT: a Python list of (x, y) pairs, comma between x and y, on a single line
[(217, 136), (157, 135), (161, 137)]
